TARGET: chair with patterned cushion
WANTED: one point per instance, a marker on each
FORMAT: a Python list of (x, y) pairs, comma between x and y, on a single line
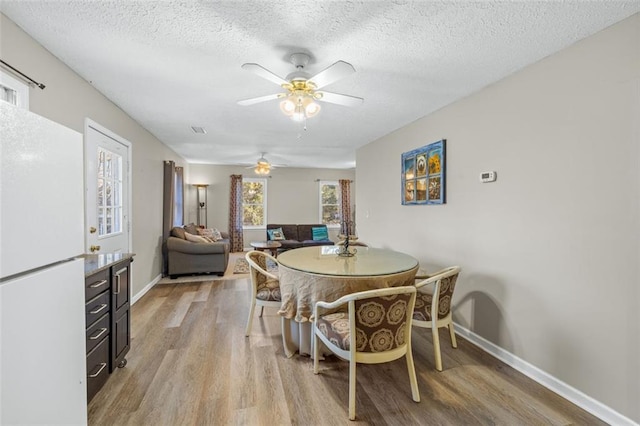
[(444, 283), (265, 286), (381, 319)]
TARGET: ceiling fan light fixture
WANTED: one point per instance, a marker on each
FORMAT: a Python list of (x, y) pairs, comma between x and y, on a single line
[(262, 169), (298, 114), (288, 106), (299, 107), (310, 107)]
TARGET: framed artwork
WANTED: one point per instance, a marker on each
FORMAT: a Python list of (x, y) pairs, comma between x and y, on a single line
[(423, 175)]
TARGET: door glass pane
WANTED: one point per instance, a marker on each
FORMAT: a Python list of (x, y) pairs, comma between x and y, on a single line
[(109, 192), (107, 165), (109, 220), (100, 194), (100, 163), (101, 228)]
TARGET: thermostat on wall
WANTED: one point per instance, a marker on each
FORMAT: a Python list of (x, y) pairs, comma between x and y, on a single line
[(488, 177)]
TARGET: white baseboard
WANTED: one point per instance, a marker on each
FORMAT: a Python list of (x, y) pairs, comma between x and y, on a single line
[(146, 288), (587, 403)]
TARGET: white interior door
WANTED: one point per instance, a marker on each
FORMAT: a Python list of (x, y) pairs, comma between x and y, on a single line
[(108, 189)]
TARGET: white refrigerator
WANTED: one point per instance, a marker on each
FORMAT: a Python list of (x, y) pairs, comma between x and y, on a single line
[(42, 304)]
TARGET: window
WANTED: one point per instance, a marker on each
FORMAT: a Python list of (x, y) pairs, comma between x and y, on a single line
[(109, 193), (178, 190), (14, 91), (254, 203), (330, 203)]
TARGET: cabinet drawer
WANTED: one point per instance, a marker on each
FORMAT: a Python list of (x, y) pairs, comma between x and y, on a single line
[(96, 284), (97, 307), (98, 331), (97, 368)]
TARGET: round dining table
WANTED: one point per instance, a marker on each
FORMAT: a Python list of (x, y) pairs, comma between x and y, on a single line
[(320, 273)]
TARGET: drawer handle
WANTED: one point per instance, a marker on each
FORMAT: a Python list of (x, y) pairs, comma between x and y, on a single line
[(117, 274), (102, 366), (98, 284), (99, 309), (97, 336)]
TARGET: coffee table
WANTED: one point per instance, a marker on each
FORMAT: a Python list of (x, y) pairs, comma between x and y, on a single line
[(271, 246)]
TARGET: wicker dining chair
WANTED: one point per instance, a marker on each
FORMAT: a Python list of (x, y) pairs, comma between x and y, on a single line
[(374, 328), (265, 286), (444, 283)]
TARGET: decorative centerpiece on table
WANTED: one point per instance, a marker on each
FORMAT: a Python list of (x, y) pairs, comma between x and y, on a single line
[(347, 235)]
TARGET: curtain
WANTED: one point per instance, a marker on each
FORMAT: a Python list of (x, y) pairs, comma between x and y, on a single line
[(167, 199), (235, 214), (172, 205), (345, 206), (168, 194)]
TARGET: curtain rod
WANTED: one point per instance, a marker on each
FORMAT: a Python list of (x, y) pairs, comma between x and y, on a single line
[(319, 180), (24, 76)]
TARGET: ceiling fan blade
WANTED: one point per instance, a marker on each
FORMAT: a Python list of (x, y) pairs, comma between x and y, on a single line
[(261, 99), (336, 98), (264, 73), (332, 73)]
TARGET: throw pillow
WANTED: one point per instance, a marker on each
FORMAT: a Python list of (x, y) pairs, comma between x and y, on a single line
[(217, 235), (178, 232), (191, 229), (195, 238), (209, 233), (320, 233), (276, 234)]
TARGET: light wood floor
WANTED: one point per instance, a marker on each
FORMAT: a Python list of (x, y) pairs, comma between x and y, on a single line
[(190, 364)]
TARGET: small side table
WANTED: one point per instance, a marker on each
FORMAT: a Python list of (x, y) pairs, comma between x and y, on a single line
[(272, 246)]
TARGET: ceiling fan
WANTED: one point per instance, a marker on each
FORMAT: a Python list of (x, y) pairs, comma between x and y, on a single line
[(263, 166), (302, 89)]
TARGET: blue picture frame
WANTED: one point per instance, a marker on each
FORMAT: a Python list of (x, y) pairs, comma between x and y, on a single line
[(424, 175)]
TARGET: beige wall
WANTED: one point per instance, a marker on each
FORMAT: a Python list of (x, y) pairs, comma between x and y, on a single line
[(549, 252), (292, 195), (68, 99)]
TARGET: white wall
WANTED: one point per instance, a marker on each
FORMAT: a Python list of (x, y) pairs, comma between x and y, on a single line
[(292, 195), (550, 252), (68, 99)]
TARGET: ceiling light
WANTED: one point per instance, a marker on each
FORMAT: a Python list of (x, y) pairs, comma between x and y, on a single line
[(262, 168), (199, 130), (299, 106)]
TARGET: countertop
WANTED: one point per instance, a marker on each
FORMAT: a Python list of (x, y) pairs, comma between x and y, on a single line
[(97, 262)]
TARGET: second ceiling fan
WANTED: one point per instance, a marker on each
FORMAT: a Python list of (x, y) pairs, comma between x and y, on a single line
[(303, 90)]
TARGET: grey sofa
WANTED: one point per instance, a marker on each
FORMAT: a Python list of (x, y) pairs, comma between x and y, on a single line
[(297, 236), (188, 258)]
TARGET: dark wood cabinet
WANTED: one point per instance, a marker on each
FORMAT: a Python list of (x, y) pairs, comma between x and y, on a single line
[(120, 307), (108, 322)]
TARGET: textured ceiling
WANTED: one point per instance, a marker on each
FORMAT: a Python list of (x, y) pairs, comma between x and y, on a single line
[(175, 64)]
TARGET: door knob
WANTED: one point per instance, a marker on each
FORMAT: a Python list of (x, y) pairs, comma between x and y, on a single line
[(94, 248)]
